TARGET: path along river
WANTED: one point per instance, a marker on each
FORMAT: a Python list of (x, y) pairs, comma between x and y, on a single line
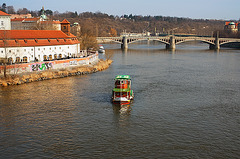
[(187, 105)]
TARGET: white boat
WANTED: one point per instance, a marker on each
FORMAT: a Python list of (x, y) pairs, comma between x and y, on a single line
[(101, 49)]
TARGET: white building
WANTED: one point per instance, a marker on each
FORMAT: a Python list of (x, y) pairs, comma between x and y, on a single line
[(5, 23), (22, 46)]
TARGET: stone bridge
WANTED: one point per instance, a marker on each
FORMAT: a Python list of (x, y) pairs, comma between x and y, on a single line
[(171, 41)]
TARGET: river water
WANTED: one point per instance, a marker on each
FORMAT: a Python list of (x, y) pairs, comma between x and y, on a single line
[(187, 105)]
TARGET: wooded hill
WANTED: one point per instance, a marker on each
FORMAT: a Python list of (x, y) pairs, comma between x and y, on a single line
[(101, 24)]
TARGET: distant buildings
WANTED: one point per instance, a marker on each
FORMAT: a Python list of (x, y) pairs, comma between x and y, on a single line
[(13, 16), (34, 24), (232, 27), (27, 22), (145, 33)]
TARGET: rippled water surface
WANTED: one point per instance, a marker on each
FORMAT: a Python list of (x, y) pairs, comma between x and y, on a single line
[(187, 105)]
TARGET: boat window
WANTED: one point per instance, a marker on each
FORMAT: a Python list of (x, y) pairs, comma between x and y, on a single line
[(117, 82), (124, 93)]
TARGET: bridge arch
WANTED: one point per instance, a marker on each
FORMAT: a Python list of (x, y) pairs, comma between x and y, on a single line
[(200, 40), (116, 41), (228, 42)]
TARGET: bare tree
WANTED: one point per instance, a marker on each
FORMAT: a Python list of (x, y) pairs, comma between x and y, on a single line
[(5, 37), (11, 10)]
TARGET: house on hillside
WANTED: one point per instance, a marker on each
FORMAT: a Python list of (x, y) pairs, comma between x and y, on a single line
[(231, 26)]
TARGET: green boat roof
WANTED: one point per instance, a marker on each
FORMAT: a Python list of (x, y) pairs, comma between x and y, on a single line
[(121, 90), (122, 77)]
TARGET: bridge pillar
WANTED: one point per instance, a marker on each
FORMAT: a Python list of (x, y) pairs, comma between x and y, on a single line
[(172, 44), (124, 44), (217, 45)]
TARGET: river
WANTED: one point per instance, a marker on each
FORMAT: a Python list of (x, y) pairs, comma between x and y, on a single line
[(187, 105)]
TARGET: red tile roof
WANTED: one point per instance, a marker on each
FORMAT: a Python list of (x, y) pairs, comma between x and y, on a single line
[(50, 22), (31, 19), (17, 19), (16, 38), (4, 14), (33, 34), (65, 21)]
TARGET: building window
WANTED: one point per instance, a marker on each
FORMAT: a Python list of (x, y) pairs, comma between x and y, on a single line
[(17, 60), (50, 48), (45, 58), (31, 49), (24, 49), (10, 60), (38, 49), (50, 57), (2, 23), (25, 59), (60, 56), (55, 56)]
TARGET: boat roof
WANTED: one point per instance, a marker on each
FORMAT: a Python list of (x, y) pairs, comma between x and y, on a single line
[(122, 77), (121, 90)]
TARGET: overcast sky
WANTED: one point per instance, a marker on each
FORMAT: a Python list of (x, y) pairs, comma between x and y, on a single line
[(197, 9)]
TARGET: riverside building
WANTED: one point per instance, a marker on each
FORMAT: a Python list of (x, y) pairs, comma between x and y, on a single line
[(24, 46)]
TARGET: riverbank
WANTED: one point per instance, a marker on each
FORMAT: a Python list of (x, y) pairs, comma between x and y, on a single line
[(54, 74)]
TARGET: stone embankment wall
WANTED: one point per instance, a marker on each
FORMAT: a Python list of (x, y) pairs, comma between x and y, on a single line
[(49, 65), (18, 79)]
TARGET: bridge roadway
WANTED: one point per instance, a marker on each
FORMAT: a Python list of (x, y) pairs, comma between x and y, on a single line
[(171, 41)]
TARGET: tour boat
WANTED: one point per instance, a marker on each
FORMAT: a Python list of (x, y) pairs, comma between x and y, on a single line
[(101, 49), (122, 92)]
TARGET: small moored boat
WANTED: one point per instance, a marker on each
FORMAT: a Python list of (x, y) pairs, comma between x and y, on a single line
[(122, 93), (101, 49)]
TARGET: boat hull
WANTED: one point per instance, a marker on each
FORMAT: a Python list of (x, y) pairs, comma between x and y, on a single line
[(121, 101)]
